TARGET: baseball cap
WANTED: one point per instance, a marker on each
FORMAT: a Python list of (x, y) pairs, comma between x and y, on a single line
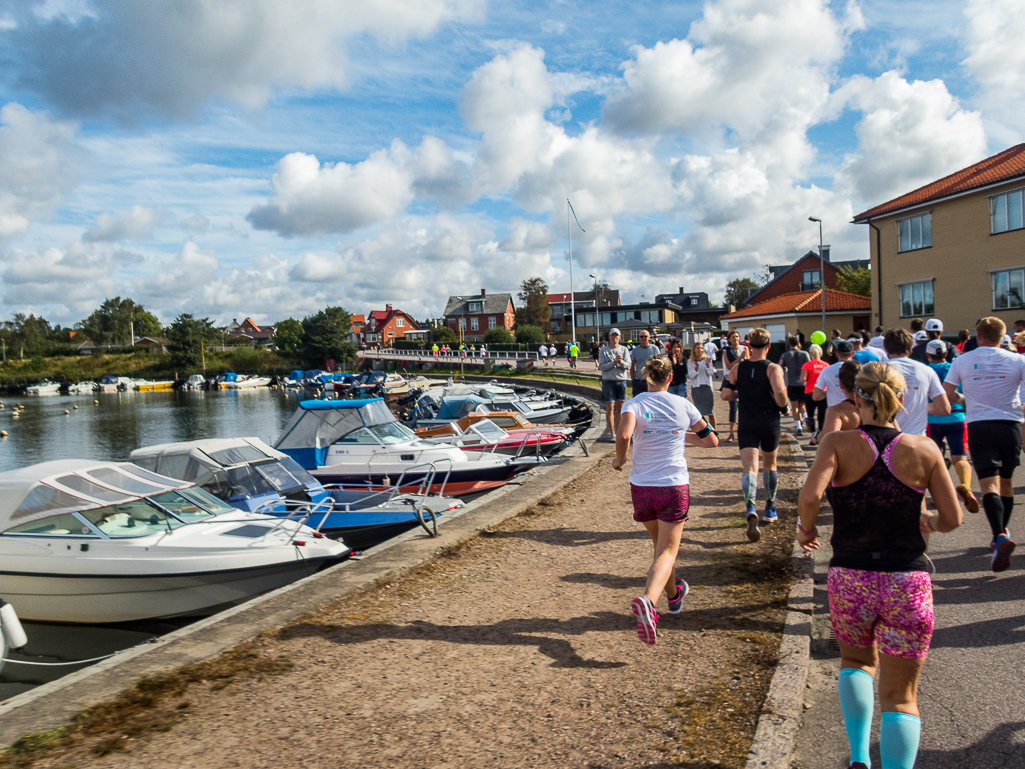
[(843, 345), (936, 347), (615, 331), (854, 339), (934, 324), (920, 336)]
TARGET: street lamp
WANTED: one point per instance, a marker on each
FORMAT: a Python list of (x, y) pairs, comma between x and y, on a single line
[(822, 274), (597, 311)]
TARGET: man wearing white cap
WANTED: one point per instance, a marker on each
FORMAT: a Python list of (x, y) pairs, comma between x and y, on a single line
[(614, 362), (933, 330)]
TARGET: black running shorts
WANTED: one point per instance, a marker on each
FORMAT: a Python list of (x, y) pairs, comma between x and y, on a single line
[(764, 436), (995, 447), (795, 393)]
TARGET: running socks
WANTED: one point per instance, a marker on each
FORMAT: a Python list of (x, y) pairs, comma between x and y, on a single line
[(771, 478), (749, 483), (898, 740), (1008, 507), (857, 700), (994, 507)]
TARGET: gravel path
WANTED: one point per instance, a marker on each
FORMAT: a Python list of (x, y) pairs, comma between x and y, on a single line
[(516, 650)]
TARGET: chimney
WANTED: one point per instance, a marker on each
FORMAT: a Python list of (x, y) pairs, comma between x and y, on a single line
[(825, 253), (483, 292), (681, 289), (387, 308)]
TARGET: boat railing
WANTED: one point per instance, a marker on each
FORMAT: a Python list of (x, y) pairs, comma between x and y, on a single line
[(297, 510), (537, 446)]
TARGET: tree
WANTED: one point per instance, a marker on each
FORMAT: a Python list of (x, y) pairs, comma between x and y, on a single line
[(27, 334), (288, 338), (855, 280), (530, 335), (444, 335), (186, 336), (737, 291), (535, 310), (498, 335), (325, 337), (115, 320)]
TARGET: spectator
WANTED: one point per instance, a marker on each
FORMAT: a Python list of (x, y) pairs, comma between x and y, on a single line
[(614, 362), (638, 357)]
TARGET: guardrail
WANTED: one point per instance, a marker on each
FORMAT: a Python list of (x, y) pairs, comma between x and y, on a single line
[(455, 355)]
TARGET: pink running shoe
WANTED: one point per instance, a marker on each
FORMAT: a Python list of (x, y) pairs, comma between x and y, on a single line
[(647, 619)]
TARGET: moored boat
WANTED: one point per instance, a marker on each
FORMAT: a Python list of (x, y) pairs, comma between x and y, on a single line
[(46, 387)]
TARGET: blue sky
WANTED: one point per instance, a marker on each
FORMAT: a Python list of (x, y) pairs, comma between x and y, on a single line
[(251, 157)]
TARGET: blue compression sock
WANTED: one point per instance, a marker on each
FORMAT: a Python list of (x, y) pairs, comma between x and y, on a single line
[(898, 740), (771, 478), (857, 700), (749, 484)]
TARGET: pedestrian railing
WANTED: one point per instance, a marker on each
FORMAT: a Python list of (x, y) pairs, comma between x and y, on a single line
[(454, 355)]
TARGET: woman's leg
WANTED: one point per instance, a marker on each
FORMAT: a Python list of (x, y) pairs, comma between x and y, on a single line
[(733, 420), (901, 727), (857, 697), (662, 572)]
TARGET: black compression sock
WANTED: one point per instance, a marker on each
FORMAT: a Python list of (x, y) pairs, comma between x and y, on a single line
[(1008, 507), (994, 508)]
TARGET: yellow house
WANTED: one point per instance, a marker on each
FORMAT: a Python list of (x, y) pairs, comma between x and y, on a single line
[(784, 315), (953, 249)]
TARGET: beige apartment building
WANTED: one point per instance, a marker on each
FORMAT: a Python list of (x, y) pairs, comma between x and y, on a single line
[(953, 249)]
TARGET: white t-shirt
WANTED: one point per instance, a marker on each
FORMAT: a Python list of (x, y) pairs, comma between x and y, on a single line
[(543, 350), (552, 352), (659, 438), (923, 385), (711, 349), (991, 379), (829, 383)]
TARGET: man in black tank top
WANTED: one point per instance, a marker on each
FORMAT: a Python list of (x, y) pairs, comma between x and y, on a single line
[(758, 386)]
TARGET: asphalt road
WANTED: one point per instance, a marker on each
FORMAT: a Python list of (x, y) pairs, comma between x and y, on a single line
[(972, 694)]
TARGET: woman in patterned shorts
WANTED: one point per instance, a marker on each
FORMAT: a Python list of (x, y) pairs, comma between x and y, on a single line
[(659, 424), (880, 594)]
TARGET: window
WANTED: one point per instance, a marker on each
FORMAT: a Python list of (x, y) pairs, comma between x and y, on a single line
[(556, 328), (810, 279), (693, 301), (400, 322), (916, 299), (462, 324), (915, 232), (1005, 213), (492, 322), (476, 306), (474, 324), (1009, 289)]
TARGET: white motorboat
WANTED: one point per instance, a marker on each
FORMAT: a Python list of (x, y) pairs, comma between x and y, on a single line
[(110, 383), (195, 382), (45, 387), (82, 387), (245, 382), (97, 542)]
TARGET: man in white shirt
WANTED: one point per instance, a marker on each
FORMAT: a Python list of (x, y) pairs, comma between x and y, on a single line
[(876, 342), (827, 386), (991, 379), (923, 385), (712, 350), (543, 352)]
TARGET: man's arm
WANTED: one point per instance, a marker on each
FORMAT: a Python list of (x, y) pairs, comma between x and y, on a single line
[(953, 396), (606, 361), (728, 391), (779, 389), (939, 406)]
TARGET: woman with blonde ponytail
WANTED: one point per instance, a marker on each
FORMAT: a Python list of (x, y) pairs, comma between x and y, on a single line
[(880, 593)]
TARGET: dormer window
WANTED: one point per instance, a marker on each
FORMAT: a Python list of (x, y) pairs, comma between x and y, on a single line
[(476, 306)]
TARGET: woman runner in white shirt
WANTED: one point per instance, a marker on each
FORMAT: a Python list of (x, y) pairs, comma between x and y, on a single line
[(659, 424)]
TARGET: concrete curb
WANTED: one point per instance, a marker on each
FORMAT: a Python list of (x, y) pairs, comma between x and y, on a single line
[(55, 703), (776, 734)]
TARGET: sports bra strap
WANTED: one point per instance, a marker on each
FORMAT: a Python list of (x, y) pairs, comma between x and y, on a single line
[(888, 459)]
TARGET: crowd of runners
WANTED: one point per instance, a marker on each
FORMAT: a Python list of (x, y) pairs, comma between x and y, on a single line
[(882, 413)]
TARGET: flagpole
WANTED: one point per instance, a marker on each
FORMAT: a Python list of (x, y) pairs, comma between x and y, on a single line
[(572, 302)]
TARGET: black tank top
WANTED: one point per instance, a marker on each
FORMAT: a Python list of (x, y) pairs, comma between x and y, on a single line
[(757, 403), (875, 519)]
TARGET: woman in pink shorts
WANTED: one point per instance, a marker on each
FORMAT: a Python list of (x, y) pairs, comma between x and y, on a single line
[(659, 424), (880, 594)]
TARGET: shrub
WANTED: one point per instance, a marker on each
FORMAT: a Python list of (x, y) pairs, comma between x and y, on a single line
[(529, 335), (498, 336)]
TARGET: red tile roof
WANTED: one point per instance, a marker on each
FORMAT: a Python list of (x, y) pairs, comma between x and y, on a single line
[(805, 301), (1007, 165), (357, 318), (380, 314)]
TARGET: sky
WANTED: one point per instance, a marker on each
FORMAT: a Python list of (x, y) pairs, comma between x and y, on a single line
[(253, 158)]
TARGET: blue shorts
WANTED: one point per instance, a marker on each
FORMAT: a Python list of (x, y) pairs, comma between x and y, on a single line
[(613, 390), (954, 433), (680, 389)]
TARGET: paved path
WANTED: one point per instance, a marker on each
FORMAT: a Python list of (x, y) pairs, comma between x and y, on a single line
[(972, 695)]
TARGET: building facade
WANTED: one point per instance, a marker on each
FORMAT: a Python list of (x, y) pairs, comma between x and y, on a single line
[(784, 315), (249, 330), (562, 312), (803, 275), (953, 249), (386, 326), (472, 316)]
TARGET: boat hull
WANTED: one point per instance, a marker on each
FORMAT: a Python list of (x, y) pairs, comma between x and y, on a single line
[(357, 474)]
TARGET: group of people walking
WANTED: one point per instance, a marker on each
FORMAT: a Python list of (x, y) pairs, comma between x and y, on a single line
[(881, 421)]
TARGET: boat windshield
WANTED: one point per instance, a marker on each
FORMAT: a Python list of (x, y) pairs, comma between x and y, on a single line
[(244, 479), (299, 473), (206, 500), (392, 432), (489, 431), (181, 506), (55, 525), (134, 518), (278, 476)]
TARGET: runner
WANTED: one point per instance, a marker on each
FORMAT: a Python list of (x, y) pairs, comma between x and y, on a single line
[(552, 352), (991, 379), (594, 354), (951, 429), (844, 415), (700, 372), (933, 331), (827, 386), (758, 384), (542, 351), (614, 362), (809, 376), (711, 350), (661, 426), (862, 353), (924, 394), (574, 353), (880, 593), (734, 351), (793, 361)]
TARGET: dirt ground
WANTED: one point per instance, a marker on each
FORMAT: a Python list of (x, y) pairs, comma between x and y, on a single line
[(516, 650)]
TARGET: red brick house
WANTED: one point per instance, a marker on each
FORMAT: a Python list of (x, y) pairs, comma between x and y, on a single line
[(250, 330), (385, 326), (472, 316), (802, 275)]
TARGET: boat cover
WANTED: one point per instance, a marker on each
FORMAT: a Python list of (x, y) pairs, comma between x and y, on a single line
[(202, 461), (317, 424), (69, 485), (456, 406)]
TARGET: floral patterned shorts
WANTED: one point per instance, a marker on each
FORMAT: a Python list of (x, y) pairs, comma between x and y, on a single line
[(890, 608), (662, 503)]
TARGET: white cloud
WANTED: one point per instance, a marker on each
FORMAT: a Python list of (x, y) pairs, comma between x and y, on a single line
[(75, 278), (39, 164), (136, 224), (910, 134), (996, 56), (177, 277), (173, 57)]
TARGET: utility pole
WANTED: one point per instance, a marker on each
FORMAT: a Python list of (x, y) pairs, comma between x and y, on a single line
[(572, 304)]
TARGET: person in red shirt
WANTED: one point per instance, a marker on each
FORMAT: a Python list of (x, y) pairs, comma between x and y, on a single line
[(809, 376)]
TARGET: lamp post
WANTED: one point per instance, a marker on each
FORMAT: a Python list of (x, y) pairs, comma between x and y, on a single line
[(822, 274), (569, 236), (597, 310)]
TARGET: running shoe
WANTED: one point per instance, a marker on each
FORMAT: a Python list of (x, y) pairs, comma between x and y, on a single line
[(858, 765), (647, 619), (753, 532), (770, 515), (1003, 547), (676, 604), (970, 502)]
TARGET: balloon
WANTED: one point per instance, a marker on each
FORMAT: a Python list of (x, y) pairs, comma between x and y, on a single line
[(818, 338)]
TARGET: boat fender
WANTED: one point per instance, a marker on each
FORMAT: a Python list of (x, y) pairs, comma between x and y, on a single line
[(10, 626)]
